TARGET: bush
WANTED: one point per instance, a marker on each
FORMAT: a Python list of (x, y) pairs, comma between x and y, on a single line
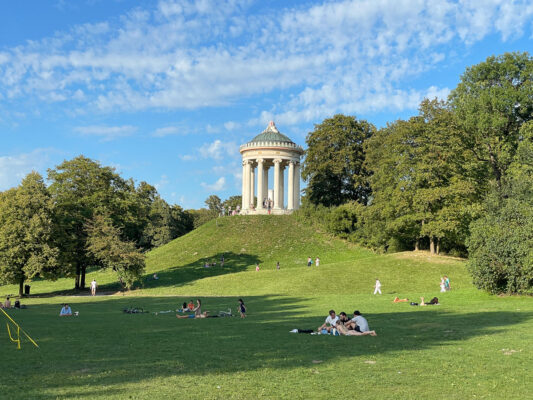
[(501, 248)]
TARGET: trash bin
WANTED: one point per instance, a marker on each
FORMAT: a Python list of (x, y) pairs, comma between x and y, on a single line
[(27, 290)]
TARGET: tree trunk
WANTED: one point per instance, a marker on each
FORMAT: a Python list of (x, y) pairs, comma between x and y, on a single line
[(417, 245), (496, 170), (82, 283), (21, 286), (77, 279), (432, 245), (438, 246)]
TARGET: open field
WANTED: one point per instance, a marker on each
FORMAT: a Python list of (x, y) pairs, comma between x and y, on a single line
[(472, 346)]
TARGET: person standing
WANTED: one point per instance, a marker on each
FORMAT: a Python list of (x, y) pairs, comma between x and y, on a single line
[(447, 283), (242, 308), (377, 287), (257, 267), (277, 265), (317, 262), (309, 261), (442, 285), (94, 285)]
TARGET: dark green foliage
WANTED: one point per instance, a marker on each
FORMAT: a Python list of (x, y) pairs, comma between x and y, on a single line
[(26, 227), (334, 161), (106, 245)]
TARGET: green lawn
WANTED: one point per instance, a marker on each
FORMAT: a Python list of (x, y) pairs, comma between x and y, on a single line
[(472, 346)]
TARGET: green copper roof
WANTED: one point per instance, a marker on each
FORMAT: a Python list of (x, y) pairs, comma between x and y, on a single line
[(271, 134)]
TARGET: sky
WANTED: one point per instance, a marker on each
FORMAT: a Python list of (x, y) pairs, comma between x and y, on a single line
[(165, 91)]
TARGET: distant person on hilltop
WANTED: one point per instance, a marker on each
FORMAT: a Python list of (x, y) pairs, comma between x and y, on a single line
[(257, 267), (277, 265), (447, 283), (377, 287), (317, 262), (309, 261), (442, 285)]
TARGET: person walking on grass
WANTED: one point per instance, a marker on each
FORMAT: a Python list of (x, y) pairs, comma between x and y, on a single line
[(242, 308), (94, 285), (317, 262), (377, 287)]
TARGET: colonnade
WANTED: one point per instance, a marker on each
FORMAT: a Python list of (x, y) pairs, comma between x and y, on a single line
[(256, 170)]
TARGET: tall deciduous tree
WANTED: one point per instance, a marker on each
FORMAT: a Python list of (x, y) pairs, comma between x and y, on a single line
[(80, 188), (492, 101), (26, 246), (334, 161), (108, 247)]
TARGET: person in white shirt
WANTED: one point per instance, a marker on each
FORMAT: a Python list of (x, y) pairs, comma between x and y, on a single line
[(93, 287), (317, 262), (359, 324), (65, 311), (377, 287), (330, 322)]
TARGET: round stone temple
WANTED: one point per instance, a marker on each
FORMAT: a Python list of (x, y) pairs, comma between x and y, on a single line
[(270, 149)]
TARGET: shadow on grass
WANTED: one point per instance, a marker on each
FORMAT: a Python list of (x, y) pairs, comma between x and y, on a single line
[(108, 350), (173, 276)]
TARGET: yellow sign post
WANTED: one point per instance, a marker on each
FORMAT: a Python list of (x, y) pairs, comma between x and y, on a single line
[(19, 329)]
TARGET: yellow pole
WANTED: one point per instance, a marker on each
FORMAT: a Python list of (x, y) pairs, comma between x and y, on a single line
[(18, 330)]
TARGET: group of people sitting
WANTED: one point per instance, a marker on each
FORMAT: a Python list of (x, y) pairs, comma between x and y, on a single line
[(7, 304), (341, 325), (191, 311)]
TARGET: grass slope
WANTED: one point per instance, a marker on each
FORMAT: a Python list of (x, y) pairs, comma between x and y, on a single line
[(472, 346)]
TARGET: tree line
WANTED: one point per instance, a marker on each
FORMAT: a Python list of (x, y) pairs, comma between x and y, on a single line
[(457, 177), (88, 216)]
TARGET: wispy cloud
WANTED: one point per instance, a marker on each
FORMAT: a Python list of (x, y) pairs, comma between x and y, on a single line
[(218, 186), (345, 56), (14, 168), (107, 133), (218, 150)]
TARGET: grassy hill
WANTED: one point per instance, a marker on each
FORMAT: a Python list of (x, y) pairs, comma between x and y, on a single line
[(471, 346)]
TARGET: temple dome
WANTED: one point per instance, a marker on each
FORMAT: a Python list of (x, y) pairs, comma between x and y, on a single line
[(271, 134)]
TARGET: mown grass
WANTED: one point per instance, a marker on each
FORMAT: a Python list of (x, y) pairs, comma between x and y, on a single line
[(472, 346)]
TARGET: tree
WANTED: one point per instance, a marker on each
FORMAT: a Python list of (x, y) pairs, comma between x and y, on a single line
[(501, 243), (80, 188), (26, 228), (334, 161), (106, 244), (418, 179), (492, 101), (233, 202), (214, 205)]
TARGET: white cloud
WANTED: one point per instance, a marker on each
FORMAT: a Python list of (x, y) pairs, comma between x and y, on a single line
[(14, 168), (187, 157), (166, 131), (218, 150), (106, 132), (218, 186), (349, 55)]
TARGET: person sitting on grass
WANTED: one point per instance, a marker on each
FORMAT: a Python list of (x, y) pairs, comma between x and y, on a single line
[(433, 302), (343, 330), (197, 312), (183, 308), (330, 322), (360, 324), (65, 311), (190, 306), (343, 317), (398, 300), (7, 303)]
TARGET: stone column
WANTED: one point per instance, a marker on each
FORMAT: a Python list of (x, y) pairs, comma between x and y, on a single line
[(260, 183), (246, 194), (265, 183), (282, 187), (243, 193), (252, 186), (290, 186), (297, 186), (277, 189)]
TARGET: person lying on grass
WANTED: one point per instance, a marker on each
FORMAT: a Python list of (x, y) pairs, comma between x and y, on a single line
[(433, 302), (197, 311), (330, 322), (65, 311), (398, 300), (343, 330)]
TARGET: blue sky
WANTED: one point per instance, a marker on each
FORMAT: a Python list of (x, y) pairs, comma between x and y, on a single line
[(165, 91)]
